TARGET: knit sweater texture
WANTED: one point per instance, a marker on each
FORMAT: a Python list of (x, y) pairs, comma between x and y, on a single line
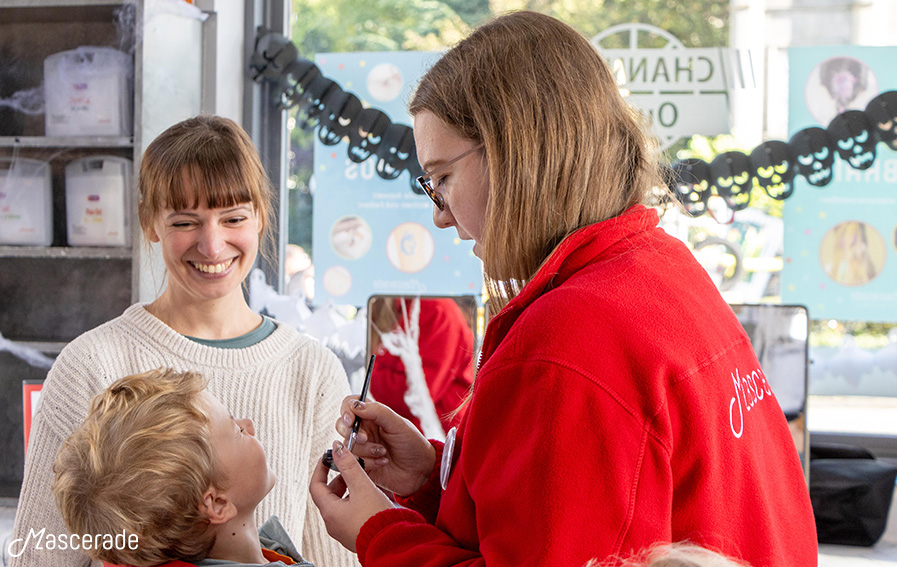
[(618, 404), (288, 384)]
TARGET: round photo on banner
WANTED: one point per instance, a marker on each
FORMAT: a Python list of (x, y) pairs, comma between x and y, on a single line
[(853, 253), (337, 281), (385, 82), (839, 84), (410, 247), (351, 237)]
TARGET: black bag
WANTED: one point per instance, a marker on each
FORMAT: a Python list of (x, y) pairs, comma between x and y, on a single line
[(851, 493)]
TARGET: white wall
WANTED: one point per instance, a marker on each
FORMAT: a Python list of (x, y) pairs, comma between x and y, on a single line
[(176, 47), (230, 66)]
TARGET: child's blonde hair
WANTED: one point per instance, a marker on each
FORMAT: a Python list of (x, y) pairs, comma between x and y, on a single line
[(673, 555), (140, 463)]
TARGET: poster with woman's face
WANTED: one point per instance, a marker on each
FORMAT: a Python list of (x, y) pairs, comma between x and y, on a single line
[(838, 260), (838, 84)]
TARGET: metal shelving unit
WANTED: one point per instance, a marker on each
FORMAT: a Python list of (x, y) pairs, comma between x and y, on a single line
[(49, 295), (74, 252), (53, 4), (67, 142), (30, 31)]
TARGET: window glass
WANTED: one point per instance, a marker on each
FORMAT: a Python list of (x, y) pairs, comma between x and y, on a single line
[(852, 365)]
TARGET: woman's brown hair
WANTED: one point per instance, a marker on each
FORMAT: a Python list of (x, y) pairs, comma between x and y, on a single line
[(221, 163), (564, 148)]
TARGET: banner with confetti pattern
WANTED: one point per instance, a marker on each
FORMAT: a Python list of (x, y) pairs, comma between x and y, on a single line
[(840, 246), (372, 235)]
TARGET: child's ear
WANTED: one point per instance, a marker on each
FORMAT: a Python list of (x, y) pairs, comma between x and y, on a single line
[(217, 506)]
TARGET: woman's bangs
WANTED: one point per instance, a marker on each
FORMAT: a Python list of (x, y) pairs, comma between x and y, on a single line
[(217, 187)]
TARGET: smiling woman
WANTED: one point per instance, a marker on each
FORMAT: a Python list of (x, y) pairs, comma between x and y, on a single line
[(207, 252), (208, 218), (205, 202)]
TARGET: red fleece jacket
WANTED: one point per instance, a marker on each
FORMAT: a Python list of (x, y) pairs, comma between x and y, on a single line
[(618, 404)]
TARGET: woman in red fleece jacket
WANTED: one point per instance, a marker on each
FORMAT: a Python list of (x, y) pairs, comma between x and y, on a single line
[(618, 402)]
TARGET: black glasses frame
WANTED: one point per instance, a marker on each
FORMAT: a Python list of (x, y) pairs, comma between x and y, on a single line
[(426, 180)]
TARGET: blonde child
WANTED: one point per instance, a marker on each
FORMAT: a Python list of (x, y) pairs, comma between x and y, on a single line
[(160, 473)]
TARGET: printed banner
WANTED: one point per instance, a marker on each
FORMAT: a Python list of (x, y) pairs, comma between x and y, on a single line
[(373, 235), (840, 247)]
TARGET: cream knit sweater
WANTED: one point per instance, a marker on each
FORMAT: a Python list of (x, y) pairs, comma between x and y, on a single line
[(288, 384)]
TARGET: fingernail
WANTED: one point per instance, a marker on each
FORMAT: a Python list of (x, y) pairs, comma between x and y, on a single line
[(337, 448), (347, 417), (357, 405), (378, 451)]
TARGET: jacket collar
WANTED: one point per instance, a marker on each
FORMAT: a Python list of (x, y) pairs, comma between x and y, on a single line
[(576, 251)]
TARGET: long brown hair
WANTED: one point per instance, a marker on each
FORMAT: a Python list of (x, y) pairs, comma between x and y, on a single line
[(564, 149)]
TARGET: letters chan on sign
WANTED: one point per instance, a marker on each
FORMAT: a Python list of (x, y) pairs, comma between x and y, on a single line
[(683, 91), (671, 70), (696, 71)]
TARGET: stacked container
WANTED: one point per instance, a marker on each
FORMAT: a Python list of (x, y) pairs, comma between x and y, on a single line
[(88, 92), (26, 202), (97, 201)]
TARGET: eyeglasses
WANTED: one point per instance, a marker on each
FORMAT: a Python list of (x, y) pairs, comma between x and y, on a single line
[(426, 180)]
